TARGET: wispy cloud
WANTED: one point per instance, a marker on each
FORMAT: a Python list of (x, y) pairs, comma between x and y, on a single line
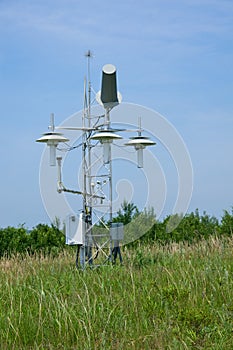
[(156, 21)]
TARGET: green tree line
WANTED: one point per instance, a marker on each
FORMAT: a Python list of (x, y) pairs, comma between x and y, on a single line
[(43, 239), (191, 228), (48, 239)]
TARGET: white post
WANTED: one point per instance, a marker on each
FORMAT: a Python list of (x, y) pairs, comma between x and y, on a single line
[(140, 157), (52, 126), (106, 151), (59, 177), (52, 153)]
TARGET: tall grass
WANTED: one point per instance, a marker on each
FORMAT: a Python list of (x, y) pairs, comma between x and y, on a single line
[(173, 297)]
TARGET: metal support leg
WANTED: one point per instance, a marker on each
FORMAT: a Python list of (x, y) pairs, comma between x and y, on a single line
[(82, 257)]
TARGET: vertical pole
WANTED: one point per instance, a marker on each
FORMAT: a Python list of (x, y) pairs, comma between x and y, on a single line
[(139, 126), (110, 199), (107, 118), (86, 249), (89, 224), (59, 177), (52, 126), (107, 125), (82, 252)]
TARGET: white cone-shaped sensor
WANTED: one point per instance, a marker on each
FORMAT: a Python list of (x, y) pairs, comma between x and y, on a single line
[(139, 143), (106, 137), (52, 139)]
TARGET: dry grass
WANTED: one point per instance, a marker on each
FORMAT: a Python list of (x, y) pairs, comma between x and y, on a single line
[(173, 297)]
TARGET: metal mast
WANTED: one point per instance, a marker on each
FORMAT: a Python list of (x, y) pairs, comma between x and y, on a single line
[(94, 231), (86, 248), (97, 180)]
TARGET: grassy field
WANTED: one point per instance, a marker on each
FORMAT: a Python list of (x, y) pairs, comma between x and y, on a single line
[(173, 297)]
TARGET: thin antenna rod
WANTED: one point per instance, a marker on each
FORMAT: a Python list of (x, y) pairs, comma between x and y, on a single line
[(89, 55), (139, 126), (52, 126)]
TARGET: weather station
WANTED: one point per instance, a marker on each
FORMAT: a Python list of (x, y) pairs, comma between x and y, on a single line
[(92, 230)]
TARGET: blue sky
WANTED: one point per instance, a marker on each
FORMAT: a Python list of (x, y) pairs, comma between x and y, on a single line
[(173, 56)]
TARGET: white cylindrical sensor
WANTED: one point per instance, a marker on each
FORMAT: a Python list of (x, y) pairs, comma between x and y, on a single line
[(52, 155), (106, 151), (140, 157)]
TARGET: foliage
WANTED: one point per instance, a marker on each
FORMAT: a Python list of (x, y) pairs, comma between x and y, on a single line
[(174, 290), (139, 227), (227, 223), (141, 224), (191, 228), (13, 240), (177, 296), (43, 238), (127, 213)]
